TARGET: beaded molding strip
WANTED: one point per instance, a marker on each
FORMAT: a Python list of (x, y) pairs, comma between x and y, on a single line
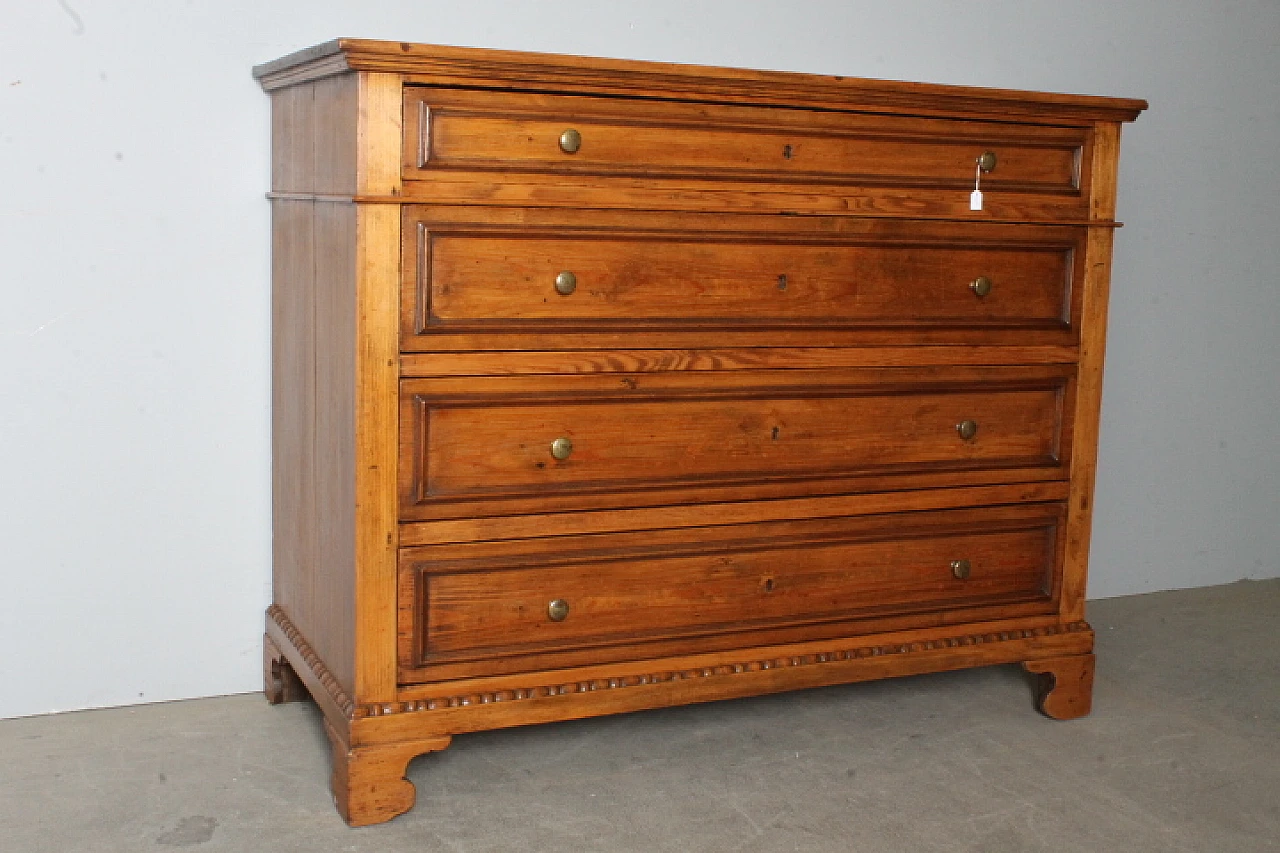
[(577, 687), (309, 656)]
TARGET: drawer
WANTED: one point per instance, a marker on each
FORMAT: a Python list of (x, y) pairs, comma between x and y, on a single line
[(483, 275), (486, 446), (513, 133), (778, 580)]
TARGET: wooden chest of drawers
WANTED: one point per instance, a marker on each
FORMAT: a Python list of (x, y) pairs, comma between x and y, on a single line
[(603, 385)]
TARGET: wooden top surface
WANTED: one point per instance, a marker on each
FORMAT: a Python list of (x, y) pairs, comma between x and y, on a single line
[(502, 69)]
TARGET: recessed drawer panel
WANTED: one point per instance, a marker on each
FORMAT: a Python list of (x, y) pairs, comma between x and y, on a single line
[(587, 280), (618, 440), (500, 274), (451, 130), (478, 601)]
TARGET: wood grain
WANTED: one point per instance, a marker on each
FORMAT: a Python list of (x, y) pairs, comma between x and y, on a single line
[(741, 512), (1065, 688), (293, 398), (426, 365), (634, 282), (502, 69), (1097, 289), (368, 782), (513, 133), (374, 503), (485, 279), (334, 135), (474, 614), (375, 244), (293, 122), (692, 194), (761, 368), (321, 386), (334, 559), (285, 640), (378, 130), (487, 442), (650, 441), (656, 576), (495, 702), (313, 420)]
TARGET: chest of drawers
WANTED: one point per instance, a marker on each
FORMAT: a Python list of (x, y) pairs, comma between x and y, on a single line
[(603, 386)]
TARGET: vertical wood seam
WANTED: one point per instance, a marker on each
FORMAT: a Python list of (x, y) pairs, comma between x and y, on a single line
[(313, 357)]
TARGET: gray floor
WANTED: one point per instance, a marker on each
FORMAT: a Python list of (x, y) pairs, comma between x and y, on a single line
[(1181, 753)]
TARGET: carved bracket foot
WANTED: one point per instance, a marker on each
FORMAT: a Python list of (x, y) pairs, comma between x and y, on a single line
[(369, 784), (1064, 685), (279, 682)]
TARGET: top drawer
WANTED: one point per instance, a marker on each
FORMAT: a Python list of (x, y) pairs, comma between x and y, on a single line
[(487, 131)]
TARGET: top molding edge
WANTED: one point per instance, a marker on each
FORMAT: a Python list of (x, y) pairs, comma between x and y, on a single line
[(502, 69)]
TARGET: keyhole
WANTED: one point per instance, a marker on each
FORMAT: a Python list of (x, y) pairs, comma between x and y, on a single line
[(782, 282), (786, 152), (768, 585), (775, 433)]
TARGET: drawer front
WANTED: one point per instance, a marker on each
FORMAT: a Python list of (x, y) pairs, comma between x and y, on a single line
[(609, 136), (492, 274), (618, 440), (726, 581)]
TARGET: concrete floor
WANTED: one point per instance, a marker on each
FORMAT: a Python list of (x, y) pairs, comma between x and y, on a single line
[(1182, 753)]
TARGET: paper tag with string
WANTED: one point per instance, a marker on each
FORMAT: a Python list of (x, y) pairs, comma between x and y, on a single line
[(975, 197)]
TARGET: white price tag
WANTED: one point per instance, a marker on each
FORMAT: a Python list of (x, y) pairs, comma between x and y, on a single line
[(975, 200)]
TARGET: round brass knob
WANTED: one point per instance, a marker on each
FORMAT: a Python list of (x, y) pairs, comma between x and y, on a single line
[(987, 162), (561, 448), (960, 568), (557, 610), (980, 285), (571, 141), (566, 283), (967, 429)]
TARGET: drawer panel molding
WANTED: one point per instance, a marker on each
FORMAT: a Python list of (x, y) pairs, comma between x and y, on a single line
[(932, 563), (500, 275), (503, 440), (599, 136)]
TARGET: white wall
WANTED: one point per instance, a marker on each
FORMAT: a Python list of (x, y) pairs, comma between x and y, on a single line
[(134, 397)]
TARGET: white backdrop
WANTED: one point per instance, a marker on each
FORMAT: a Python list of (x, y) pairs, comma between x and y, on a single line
[(134, 270)]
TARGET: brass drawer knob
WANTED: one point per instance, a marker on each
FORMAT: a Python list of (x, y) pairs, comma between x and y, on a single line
[(571, 141), (566, 283), (967, 429), (557, 610), (561, 448), (980, 285), (960, 568), (987, 162)]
